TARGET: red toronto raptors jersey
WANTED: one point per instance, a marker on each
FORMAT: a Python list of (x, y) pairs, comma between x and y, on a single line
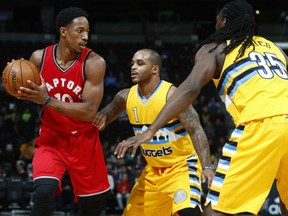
[(65, 85)]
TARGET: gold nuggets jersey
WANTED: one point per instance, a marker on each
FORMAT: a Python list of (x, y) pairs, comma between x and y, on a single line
[(171, 143), (255, 86)]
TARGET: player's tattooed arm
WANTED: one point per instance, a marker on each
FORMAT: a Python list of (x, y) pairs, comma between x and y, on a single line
[(190, 119), (113, 110)]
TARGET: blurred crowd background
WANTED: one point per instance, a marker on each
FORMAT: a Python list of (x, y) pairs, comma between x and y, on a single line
[(172, 29)]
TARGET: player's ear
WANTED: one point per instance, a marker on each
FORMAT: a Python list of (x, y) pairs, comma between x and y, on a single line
[(156, 69), (62, 31), (224, 21)]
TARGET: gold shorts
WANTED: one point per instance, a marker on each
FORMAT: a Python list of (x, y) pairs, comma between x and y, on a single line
[(164, 191), (251, 160)]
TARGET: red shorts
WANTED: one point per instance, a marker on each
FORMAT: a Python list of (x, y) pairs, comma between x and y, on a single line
[(80, 153)]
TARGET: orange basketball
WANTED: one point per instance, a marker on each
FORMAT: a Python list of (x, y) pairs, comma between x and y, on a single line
[(16, 74)]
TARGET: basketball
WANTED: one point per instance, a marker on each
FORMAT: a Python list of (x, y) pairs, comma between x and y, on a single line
[(16, 74)]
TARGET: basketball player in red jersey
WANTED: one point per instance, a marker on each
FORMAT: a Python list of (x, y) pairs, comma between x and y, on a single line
[(71, 92)]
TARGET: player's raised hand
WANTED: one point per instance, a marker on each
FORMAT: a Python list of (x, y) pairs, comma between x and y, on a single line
[(133, 142)]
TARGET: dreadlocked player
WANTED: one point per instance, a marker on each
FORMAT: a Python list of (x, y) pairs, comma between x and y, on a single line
[(250, 73)]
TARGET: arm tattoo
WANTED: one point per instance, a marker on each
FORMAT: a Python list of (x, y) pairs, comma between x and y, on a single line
[(190, 119), (117, 105)]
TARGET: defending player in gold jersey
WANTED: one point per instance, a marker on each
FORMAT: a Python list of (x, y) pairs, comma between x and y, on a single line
[(170, 183)]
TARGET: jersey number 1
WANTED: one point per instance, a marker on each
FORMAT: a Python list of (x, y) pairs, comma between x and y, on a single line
[(135, 114)]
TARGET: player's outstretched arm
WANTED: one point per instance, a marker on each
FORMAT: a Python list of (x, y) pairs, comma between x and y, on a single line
[(112, 111), (190, 119), (133, 142)]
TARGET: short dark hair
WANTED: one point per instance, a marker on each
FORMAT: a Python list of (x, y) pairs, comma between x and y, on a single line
[(67, 15), (154, 57)]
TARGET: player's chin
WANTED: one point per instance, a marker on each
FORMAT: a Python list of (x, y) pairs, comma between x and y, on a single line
[(81, 48), (134, 80)]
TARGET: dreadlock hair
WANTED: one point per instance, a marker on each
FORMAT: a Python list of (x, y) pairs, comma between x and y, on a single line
[(67, 15), (239, 28)]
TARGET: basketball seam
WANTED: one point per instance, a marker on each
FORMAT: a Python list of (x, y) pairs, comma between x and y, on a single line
[(9, 76), (33, 73), (21, 72)]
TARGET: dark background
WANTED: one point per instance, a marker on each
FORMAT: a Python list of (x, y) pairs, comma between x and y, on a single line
[(141, 10)]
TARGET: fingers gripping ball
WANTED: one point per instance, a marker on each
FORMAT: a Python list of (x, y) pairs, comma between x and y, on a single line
[(16, 74)]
